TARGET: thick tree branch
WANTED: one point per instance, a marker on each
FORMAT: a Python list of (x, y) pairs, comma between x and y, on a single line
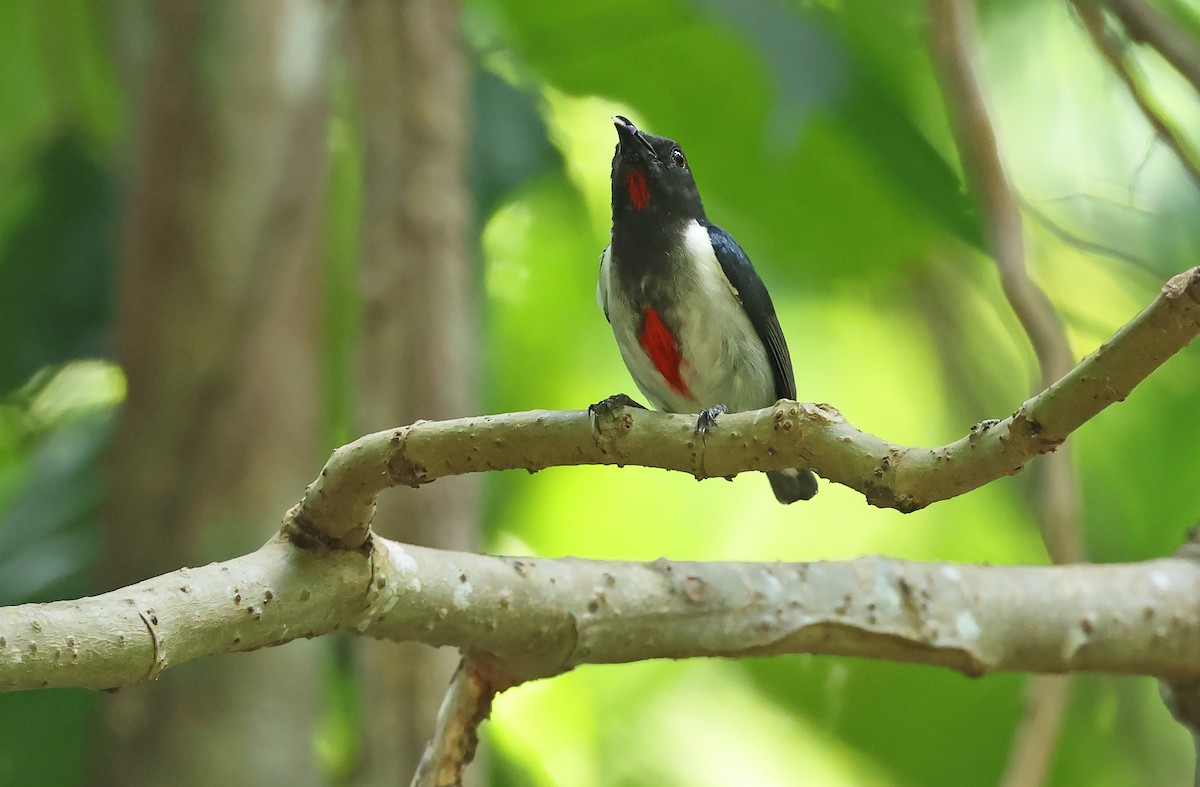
[(337, 507), (540, 617)]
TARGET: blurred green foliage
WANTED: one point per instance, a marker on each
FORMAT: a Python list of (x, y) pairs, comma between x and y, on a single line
[(60, 111), (818, 138)]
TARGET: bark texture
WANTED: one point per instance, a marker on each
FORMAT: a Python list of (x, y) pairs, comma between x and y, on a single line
[(215, 331), (527, 618), (417, 357)]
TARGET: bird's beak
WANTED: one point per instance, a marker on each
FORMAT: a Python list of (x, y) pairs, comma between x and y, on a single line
[(632, 141)]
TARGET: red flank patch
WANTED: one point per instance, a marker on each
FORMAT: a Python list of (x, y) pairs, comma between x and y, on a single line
[(663, 348)]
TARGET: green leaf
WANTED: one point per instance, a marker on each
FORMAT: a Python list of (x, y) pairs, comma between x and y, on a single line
[(57, 267)]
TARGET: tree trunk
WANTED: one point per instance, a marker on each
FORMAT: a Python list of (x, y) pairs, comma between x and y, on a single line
[(218, 333), (417, 352)]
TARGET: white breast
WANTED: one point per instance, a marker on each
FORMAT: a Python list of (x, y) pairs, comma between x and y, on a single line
[(724, 360)]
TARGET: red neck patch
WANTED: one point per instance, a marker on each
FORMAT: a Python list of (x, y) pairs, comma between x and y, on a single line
[(663, 348), (639, 193)]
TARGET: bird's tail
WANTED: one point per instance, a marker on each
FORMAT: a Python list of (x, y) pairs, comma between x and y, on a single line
[(792, 485)]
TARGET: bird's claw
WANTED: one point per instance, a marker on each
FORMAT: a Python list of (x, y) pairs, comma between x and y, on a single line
[(708, 418), (607, 408), (614, 402)]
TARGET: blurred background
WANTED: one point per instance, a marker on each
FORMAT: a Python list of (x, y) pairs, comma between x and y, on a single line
[(236, 235)]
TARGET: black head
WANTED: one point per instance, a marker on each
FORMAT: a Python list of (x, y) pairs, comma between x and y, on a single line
[(651, 177)]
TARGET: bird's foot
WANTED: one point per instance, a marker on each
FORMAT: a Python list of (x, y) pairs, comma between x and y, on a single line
[(606, 409), (613, 403), (708, 418)]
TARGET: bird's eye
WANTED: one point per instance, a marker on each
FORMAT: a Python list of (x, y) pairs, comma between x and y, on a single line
[(677, 158)]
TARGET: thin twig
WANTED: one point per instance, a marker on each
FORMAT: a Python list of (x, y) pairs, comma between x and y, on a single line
[(1147, 25), (1037, 733), (467, 703), (1081, 243), (1113, 51), (953, 51), (954, 58), (952, 39)]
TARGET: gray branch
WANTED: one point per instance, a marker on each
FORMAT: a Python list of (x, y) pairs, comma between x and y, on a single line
[(541, 617), (337, 507)]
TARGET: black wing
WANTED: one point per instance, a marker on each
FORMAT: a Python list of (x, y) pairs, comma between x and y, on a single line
[(601, 294), (757, 302)]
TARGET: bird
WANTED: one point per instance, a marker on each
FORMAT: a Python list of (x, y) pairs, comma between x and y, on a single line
[(693, 321)]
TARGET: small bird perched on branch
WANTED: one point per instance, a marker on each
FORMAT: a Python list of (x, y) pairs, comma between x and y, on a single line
[(694, 323)]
